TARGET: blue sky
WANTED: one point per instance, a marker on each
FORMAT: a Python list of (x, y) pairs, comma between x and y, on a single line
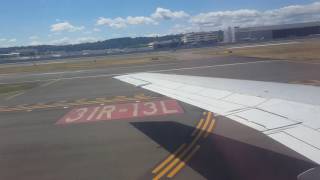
[(26, 22)]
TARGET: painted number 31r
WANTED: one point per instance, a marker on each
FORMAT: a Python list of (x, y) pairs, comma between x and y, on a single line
[(121, 111)]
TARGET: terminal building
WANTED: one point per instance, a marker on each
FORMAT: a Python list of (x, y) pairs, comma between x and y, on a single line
[(265, 33), (202, 37), (165, 44)]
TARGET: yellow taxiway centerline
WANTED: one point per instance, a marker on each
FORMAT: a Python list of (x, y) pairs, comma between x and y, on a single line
[(211, 126), (198, 127), (160, 166), (183, 163), (190, 146)]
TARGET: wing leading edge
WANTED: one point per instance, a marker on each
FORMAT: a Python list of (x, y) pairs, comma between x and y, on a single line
[(289, 114)]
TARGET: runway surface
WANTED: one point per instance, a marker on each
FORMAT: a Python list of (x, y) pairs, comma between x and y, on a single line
[(130, 133)]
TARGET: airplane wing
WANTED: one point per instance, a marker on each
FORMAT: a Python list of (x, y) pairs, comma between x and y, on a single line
[(288, 113)]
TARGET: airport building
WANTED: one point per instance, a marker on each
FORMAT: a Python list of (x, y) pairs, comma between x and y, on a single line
[(229, 35), (202, 37), (9, 55), (164, 44), (265, 33)]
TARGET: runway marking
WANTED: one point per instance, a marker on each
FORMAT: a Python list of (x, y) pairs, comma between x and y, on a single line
[(204, 67), (121, 111), (169, 158), (183, 163), (14, 95), (155, 71), (263, 45), (2, 75), (92, 70), (62, 104), (184, 153), (198, 127), (211, 126), (49, 83)]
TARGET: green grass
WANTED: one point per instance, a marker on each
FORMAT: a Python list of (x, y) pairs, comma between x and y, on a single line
[(10, 88), (86, 63)]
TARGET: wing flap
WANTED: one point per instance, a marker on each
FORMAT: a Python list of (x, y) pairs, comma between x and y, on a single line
[(215, 105), (245, 99), (306, 113), (297, 145), (305, 134), (268, 120)]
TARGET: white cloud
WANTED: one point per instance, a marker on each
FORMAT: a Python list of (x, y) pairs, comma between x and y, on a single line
[(33, 37), (184, 28), (159, 14), (5, 42), (85, 40), (153, 35), (35, 43), (251, 17), (65, 26), (162, 13), (67, 40), (120, 22), (13, 40), (140, 20), (61, 41), (114, 23), (96, 29)]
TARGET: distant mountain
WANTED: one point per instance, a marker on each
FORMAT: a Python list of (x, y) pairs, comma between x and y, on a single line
[(126, 42)]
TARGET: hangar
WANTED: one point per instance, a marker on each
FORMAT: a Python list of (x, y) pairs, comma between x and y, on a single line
[(265, 33)]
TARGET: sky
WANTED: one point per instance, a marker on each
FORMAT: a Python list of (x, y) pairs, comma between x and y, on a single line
[(35, 22)]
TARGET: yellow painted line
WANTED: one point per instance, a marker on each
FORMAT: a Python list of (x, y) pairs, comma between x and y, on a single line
[(100, 99), (78, 102), (166, 161), (93, 102), (143, 96), (49, 106), (183, 163), (39, 106), (71, 104), (190, 146), (211, 126), (198, 127), (207, 121), (177, 160), (36, 107), (22, 107)]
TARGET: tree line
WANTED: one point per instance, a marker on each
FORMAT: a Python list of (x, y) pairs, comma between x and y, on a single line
[(120, 43)]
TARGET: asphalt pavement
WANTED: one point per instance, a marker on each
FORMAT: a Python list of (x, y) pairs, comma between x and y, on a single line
[(130, 133)]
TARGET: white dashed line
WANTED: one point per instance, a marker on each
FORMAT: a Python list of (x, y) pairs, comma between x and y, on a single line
[(15, 95)]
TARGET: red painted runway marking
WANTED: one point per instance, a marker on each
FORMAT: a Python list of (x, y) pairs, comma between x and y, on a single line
[(121, 111)]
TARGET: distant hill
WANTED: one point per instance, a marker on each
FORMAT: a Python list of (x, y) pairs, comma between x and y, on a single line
[(126, 42)]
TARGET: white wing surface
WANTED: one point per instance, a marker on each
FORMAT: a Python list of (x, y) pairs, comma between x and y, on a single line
[(288, 113)]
